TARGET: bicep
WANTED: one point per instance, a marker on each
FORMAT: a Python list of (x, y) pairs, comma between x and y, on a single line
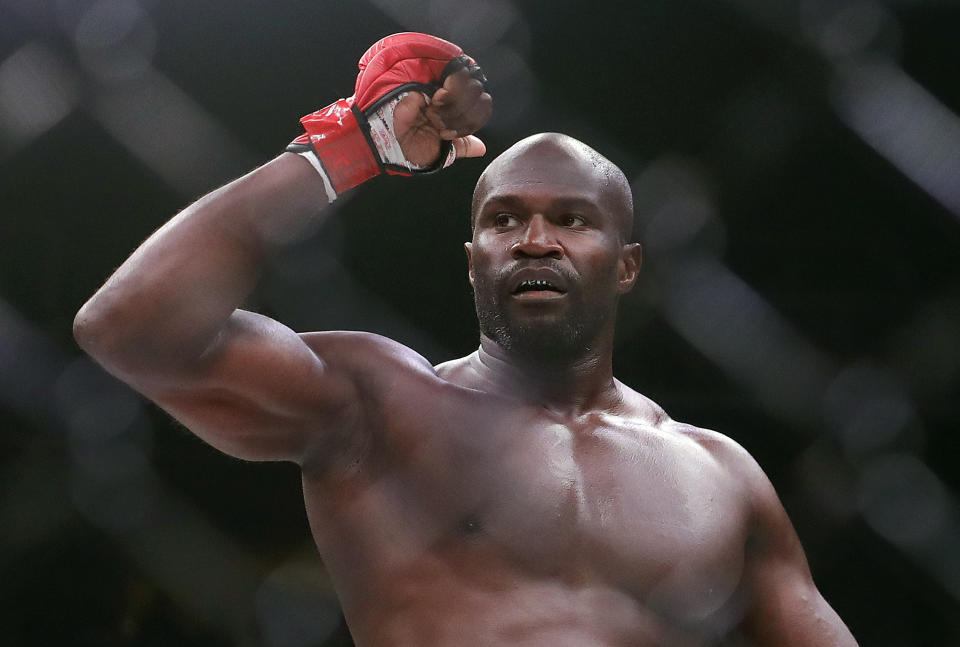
[(260, 392), (784, 607)]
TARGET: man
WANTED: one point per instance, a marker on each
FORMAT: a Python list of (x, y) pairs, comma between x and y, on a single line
[(517, 496)]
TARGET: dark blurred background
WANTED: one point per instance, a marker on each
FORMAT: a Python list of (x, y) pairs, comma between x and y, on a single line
[(796, 168)]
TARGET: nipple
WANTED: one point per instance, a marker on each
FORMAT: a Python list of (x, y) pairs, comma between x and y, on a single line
[(471, 525)]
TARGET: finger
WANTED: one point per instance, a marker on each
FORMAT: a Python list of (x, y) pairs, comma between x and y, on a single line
[(469, 146), (454, 82), (435, 120), (458, 93), (409, 108), (464, 110), (447, 93), (478, 113), (472, 119)]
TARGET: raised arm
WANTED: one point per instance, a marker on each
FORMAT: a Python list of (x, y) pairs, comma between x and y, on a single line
[(167, 321), (785, 609)]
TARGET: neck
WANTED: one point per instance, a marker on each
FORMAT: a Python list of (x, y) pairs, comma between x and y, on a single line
[(573, 387)]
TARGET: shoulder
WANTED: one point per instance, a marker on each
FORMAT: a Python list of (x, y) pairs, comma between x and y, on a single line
[(367, 357), (723, 449), (738, 472), (730, 454), (744, 470), (641, 408), (341, 345)]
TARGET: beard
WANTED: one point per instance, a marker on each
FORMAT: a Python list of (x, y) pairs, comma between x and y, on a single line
[(554, 338)]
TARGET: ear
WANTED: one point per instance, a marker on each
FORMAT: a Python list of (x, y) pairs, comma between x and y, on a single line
[(468, 247), (631, 257)]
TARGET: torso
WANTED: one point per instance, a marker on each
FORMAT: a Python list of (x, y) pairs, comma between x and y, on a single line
[(482, 520)]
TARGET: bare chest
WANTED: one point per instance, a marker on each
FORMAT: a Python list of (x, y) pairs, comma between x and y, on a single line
[(646, 511), (467, 502)]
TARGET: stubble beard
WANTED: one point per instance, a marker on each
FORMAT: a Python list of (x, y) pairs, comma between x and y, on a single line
[(549, 340)]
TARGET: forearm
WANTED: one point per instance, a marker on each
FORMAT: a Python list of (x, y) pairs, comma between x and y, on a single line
[(167, 303)]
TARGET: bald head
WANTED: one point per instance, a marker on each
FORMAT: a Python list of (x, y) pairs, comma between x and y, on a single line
[(557, 158)]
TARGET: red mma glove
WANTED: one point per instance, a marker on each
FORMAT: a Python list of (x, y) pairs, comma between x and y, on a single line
[(353, 140)]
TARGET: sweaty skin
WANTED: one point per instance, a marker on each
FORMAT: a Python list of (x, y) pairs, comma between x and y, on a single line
[(517, 496)]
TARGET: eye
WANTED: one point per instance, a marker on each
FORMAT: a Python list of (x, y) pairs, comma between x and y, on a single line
[(572, 220), (505, 220)]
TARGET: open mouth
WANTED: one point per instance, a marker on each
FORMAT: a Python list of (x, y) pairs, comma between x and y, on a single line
[(540, 287)]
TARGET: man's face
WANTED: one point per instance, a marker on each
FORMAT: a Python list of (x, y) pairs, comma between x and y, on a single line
[(547, 259)]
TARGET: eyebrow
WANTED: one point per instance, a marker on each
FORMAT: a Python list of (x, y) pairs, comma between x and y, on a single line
[(559, 203)]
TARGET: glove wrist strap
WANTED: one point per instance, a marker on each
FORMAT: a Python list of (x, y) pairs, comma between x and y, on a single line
[(348, 147), (340, 144)]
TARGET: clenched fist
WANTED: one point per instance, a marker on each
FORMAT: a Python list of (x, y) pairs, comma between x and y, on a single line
[(417, 102)]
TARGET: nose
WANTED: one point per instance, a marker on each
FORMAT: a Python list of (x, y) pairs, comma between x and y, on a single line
[(537, 241)]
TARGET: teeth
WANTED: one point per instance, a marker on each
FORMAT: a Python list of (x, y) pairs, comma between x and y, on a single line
[(537, 284)]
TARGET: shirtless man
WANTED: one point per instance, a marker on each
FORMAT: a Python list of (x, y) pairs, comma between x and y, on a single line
[(517, 496)]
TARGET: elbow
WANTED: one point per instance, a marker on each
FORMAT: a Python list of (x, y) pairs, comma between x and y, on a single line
[(83, 327), (99, 331), (89, 328), (126, 342)]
